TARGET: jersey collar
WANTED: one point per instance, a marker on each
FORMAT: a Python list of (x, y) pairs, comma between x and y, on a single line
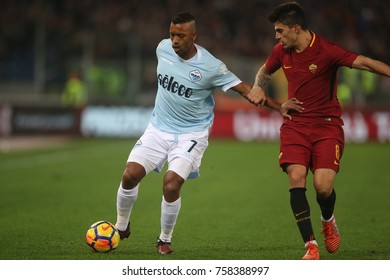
[(313, 38)]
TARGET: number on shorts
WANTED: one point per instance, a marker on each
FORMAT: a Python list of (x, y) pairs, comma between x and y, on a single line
[(192, 146), (337, 152)]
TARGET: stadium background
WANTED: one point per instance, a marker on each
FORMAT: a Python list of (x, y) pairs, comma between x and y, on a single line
[(53, 54), (66, 64)]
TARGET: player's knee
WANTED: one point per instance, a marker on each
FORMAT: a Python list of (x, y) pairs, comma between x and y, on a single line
[(171, 192), (297, 179), (297, 175), (128, 180), (323, 181), (131, 177), (323, 190), (172, 185)]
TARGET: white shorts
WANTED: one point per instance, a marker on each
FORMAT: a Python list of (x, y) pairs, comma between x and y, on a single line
[(183, 152)]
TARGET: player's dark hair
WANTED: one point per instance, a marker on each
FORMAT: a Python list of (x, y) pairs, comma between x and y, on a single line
[(289, 13), (182, 18)]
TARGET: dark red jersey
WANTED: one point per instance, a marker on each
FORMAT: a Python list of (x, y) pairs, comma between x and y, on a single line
[(312, 77)]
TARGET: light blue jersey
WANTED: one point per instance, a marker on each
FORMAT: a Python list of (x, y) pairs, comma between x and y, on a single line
[(184, 101)]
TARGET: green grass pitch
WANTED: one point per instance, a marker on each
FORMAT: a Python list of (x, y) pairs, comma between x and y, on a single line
[(238, 209)]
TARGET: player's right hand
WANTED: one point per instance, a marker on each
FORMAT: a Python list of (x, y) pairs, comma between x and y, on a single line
[(257, 96)]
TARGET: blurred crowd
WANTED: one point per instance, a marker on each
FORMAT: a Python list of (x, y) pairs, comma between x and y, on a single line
[(69, 31)]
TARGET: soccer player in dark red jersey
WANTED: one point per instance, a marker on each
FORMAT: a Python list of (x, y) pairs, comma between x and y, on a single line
[(314, 138)]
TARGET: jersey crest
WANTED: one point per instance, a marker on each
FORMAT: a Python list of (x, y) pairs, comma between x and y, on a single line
[(313, 68), (195, 75)]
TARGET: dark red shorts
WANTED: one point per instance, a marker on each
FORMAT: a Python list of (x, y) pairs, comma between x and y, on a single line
[(311, 145)]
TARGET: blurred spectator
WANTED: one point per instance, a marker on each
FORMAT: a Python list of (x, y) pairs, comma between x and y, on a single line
[(74, 93)]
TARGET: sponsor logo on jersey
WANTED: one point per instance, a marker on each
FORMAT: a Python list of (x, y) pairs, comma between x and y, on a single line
[(170, 84), (195, 75)]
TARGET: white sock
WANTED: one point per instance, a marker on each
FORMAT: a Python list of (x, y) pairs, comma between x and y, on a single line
[(311, 242), (124, 204), (169, 213)]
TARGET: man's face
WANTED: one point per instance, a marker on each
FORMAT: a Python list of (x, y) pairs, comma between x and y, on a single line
[(183, 36), (287, 36)]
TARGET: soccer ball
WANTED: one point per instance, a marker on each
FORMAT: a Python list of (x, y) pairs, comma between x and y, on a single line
[(102, 236)]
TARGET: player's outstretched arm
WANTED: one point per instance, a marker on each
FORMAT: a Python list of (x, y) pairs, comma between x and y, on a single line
[(365, 63), (261, 83), (244, 90), (292, 104), (256, 94)]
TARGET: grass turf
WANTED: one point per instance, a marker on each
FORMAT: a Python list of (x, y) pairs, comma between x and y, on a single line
[(238, 208)]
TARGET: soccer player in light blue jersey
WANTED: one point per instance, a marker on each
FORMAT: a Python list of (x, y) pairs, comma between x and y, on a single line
[(178, 130)]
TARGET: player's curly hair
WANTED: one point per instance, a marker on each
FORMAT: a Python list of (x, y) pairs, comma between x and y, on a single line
[(289, 13)]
